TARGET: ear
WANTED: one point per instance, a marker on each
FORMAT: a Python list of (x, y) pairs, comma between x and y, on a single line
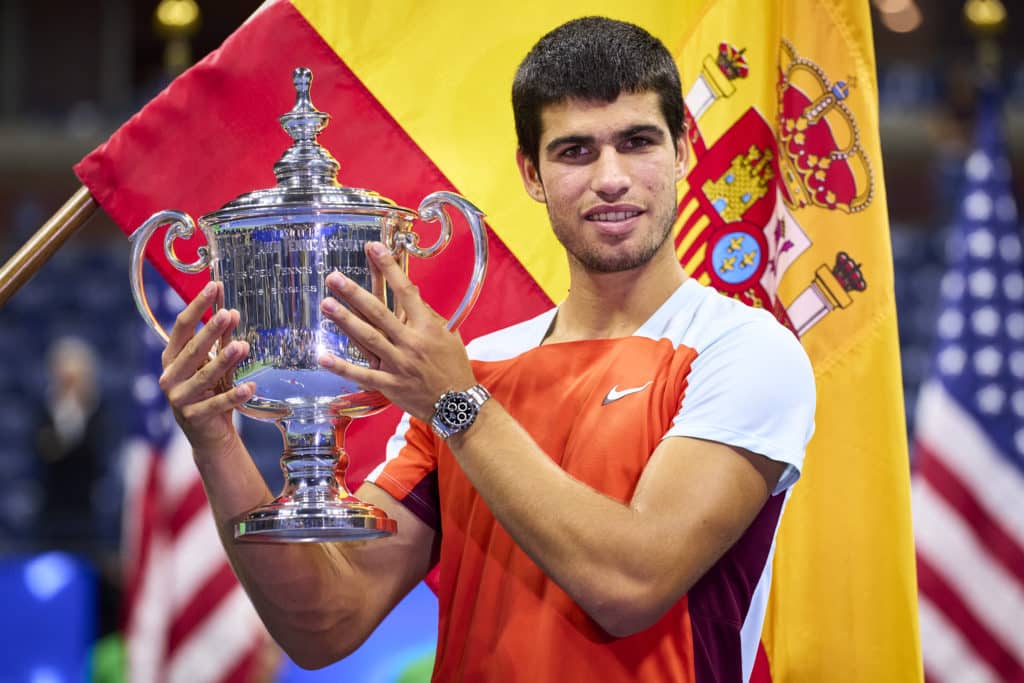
[(531, 177), (682, 156)]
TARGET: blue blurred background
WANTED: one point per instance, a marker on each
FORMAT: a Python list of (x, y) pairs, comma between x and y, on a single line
[(71, 72)]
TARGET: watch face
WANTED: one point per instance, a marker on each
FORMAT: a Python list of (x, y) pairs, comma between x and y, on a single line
[(457, 410)]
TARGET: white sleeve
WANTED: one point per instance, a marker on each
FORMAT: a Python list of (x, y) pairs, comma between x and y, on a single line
[(752, 388)]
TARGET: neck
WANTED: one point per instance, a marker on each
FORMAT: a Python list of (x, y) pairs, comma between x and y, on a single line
[(607, 305)]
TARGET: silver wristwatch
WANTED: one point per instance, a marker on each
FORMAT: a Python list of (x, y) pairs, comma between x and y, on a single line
[(455, 411)]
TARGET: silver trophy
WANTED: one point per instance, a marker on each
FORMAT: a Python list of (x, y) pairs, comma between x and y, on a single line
[(272, 249)]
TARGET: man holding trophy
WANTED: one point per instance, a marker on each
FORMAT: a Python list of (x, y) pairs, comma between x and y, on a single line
[(600, 485)]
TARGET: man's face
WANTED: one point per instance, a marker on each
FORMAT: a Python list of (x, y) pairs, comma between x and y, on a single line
[(607, 173)]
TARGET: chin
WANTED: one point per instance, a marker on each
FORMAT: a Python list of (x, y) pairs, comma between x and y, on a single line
[(613, 263)]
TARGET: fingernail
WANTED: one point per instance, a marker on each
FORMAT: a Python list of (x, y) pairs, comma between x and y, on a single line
[(243, 390), (378, 249), (209, 289), (330, 305), (326, 360), (338, 280), (219, 317)]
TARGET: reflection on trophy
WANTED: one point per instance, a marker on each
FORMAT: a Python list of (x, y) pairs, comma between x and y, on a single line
[(272, 249)]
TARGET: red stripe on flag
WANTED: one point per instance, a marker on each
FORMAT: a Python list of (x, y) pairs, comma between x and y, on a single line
[(149, 518), (948, 601), (1000, 545), (694, 217), (700, 269), (697, 243), (762, 672), (192, 503), (248, 669), (200, 606)]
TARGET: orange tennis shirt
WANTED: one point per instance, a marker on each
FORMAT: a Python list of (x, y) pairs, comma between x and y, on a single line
[(702, 366)]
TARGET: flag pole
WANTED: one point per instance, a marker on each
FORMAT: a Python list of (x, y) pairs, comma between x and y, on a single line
[(20, 268)]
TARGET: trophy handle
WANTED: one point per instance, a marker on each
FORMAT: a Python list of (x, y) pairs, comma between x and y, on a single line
[(181, 227), (432, 209)]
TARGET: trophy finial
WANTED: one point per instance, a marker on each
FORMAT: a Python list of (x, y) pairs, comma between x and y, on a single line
[(302, 77), (305, 162)]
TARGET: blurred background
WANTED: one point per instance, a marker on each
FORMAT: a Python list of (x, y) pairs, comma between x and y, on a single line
[(72, 72)]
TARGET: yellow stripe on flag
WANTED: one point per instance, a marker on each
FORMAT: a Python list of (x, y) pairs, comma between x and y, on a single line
[(691, 235), (698, 257), (685, 214), (444, 72)]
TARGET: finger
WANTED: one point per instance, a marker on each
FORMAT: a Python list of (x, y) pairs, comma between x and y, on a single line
[(378, 288), (225, 338), (185, 324), (367, 378), (371, 341), (209, 378), (196, 351), (364, 304), (362, 353), (379, 291), (219, 403), (407, 294)]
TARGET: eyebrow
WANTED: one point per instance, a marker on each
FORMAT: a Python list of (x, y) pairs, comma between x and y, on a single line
[(639, 129)]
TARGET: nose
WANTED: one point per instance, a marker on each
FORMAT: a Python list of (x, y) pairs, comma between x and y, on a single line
[(610, 178)]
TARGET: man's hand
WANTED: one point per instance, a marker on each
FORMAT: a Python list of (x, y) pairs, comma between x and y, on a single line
[(419, 358), (198, 385)]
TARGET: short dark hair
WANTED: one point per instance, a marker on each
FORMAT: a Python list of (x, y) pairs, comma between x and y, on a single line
[(593, 58)]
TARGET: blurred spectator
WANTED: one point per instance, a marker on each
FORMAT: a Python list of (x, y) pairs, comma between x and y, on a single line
[(69, 441), (73, 444)]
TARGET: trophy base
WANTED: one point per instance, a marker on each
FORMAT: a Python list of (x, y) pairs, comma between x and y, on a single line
[(322, 522)]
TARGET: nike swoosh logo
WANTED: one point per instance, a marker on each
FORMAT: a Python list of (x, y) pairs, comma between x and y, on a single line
[(614, 394)]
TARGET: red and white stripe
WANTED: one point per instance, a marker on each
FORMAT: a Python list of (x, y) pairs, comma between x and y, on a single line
[(187, 618), (968, 502)]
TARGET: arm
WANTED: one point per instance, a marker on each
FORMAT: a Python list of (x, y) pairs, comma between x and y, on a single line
[(623, 564), (319, 601)]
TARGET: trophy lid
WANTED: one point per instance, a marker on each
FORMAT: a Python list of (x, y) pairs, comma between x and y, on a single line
[(306, 173)]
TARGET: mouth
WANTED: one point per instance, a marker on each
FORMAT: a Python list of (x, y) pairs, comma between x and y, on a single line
[(612, 216), (615, 222)]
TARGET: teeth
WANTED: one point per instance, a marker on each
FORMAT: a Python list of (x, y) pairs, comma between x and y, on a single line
[(613, 216)]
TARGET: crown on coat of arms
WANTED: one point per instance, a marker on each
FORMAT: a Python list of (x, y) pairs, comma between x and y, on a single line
[(821, 159), (731, 61), (719, 71), (848, 273)]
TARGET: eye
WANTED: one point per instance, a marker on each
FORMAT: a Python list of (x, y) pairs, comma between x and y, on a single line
[(573, 152), (637, 142)]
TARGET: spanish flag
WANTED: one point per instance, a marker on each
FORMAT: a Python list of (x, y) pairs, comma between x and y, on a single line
[(783, 208)]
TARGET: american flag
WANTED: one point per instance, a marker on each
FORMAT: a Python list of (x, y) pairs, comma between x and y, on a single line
[(187, 619), (968, 484)]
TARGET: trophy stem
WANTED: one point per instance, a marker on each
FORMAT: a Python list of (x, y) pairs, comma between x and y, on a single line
[(315, 504)]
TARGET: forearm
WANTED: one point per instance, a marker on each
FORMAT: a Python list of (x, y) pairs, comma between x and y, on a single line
[(607, 555), (300, 590)]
